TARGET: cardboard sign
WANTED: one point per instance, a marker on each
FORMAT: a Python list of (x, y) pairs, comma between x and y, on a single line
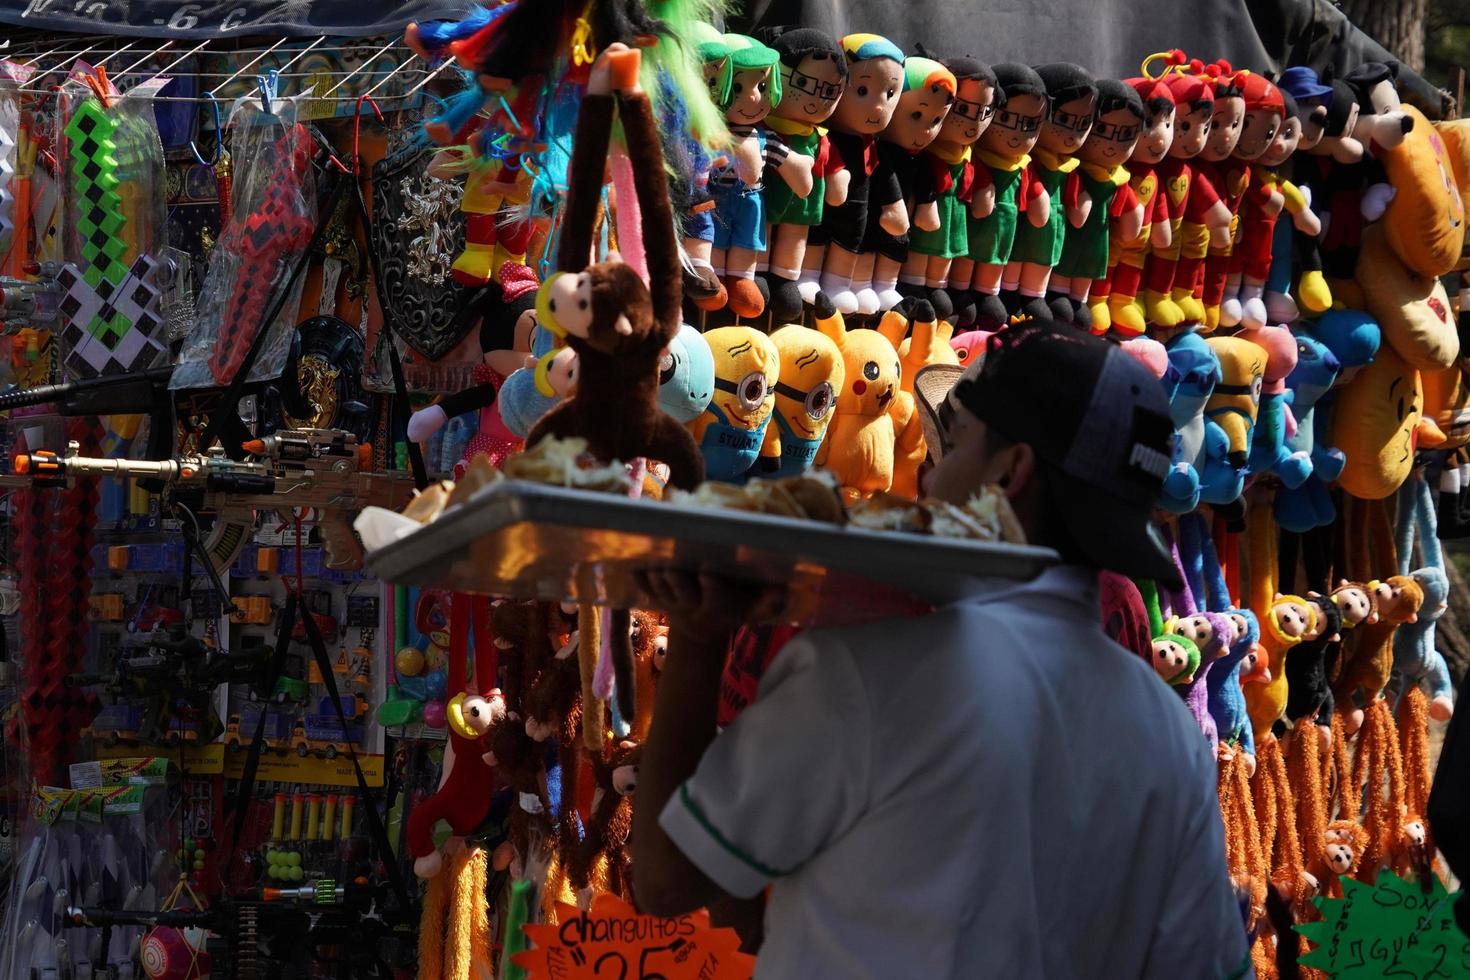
[(1391, 928), (611, 941)]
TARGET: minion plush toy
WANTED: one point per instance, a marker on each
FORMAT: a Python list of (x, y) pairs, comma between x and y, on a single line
[(731, 431), (812, 373)]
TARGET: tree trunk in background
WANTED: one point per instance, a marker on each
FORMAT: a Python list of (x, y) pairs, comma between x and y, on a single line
[(1452, 633), (1398, 25)]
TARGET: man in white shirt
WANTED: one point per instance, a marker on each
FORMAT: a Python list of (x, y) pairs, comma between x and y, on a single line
[(992, 790)]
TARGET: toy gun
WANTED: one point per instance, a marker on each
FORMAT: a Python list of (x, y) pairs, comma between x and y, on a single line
[(321, 469), (177, 667), (30, 302), (285, 929), (144, 393)]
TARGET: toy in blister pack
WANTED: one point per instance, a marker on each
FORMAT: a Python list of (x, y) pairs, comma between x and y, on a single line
[(112, 280), (273, 216)]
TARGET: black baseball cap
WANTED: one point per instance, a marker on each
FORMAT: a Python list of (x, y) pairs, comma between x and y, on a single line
[(1098, 422)]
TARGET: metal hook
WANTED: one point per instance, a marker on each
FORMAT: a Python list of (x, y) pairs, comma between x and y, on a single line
[(357, 124), (219, 135)]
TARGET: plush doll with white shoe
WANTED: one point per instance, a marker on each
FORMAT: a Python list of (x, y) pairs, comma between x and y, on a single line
[(813, 77), (928, 93), (874, 83)]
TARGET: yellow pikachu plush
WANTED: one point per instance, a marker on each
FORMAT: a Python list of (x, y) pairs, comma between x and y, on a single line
[(731, 432), (928, 343), (812, 373), (864, 426)]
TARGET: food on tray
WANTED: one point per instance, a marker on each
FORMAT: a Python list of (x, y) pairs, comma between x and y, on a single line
[(987, 517), (565, 463), (812, 496), (430, 502)]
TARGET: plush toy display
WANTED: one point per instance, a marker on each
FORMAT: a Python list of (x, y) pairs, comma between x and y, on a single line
[(1003, 190), (1105, 198), (928, 93), (1268, 194), (1071, 104), (463, 796), (732, 430), (1115, 300), (617, 325), (813, 78), (735, 186), (805, 393), (862, 434), (875, 81), (944, 181), (1270, 247), (1165, 305)]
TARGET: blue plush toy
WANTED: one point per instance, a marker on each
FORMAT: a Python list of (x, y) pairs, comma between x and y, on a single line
[(1415, 659), (686, 377), (530, 393), (1190, 378), (1225, 699), (1310, 505)]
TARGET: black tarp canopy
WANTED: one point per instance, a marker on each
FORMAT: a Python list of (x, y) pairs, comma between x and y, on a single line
[(1107, 36)]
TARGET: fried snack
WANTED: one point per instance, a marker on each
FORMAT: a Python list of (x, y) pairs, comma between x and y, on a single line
[(889, 512), (429, 502), (479, 473), (565, 463), (817, 495), (992, 508)]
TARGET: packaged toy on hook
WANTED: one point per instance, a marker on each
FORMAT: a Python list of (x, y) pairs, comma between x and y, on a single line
[(113, 173), (273, 217)]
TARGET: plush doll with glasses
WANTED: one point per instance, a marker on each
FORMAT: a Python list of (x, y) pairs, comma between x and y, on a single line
[(942, 184), (1114, 298), (1103, 194), (1002, 190), (1072, 98), (813, 76)]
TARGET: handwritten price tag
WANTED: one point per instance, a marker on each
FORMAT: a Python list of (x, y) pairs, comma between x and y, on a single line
[(1388, 929), (612, 941)]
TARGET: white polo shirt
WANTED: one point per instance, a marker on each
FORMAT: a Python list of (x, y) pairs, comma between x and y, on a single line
[(993, 790)]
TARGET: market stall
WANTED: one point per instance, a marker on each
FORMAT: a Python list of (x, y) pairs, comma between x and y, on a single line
[(365, 358)]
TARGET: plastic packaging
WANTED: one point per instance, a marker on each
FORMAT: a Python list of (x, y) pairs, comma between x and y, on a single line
[(273, 216)]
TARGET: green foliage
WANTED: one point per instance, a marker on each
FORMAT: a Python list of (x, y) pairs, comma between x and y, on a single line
[(1447, 41)]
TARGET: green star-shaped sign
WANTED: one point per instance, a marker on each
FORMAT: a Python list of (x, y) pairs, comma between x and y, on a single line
[(1391, 928)]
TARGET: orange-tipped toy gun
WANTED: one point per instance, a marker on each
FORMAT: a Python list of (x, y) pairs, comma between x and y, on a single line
[(323, 470)]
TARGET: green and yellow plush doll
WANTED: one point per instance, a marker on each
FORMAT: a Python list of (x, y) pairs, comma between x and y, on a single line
[(1175, 656)]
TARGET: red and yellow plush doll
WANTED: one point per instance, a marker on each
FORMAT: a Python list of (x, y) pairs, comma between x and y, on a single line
[(1210, 213), (1115, 302), (1264, 109), (1103, 194), (1189, 208), (465, 786), (1268, 195)]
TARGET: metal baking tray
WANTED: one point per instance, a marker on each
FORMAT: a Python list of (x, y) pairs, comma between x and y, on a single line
[(529, 540)]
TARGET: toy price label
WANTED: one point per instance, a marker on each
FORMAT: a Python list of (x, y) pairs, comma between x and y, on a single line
[(611, 941), (1391, 928)]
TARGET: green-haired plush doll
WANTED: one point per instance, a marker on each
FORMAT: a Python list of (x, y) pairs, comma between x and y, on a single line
[(735, 185), (1175, 656), (702, 284)]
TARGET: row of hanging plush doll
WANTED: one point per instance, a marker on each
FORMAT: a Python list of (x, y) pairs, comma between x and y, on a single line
[(951, 198)]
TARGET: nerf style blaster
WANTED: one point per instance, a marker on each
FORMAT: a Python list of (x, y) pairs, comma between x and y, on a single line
[(324, 470), (144, 393)]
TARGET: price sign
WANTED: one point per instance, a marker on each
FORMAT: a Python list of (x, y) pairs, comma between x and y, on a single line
[(612, 941), (1391, 928)]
